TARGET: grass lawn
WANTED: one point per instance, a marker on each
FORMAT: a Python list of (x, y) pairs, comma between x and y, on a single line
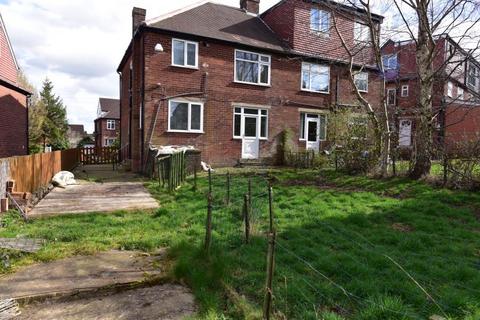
[(347, 247)]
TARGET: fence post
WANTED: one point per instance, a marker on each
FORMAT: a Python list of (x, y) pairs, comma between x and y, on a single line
[(267, 304), (228, 189), (249, 193), (445, 169), (159, 174), (208, 229), (270, 207), (246, 217), (209, 180), (195, 177)]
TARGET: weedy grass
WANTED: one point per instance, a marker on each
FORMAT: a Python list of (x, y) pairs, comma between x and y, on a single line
[(348, 247)]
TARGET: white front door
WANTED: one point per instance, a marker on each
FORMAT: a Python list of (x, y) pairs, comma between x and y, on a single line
[(313, 134), (250, 139), (405, 133)]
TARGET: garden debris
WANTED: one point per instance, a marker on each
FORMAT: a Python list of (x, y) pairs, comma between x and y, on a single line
[(22, 244), (402, 227), (63, 179), (9, 309)]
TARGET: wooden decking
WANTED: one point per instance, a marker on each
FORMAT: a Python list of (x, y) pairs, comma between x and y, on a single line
[(103, 190)]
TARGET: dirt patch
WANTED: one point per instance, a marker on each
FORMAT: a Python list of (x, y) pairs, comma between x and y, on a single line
[(402, 227), (168, 301)]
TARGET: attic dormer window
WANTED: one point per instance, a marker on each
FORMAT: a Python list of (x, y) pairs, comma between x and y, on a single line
[(320, 21), (361, 32)]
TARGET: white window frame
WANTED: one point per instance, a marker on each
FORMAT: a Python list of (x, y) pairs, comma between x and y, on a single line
[(310, 84), (460, 93), (109, 142), (189, 120), (305, 125), (185, 54), (242, 114), (394, 97), (358, 74), (475, 75), (321, 14), (450, 89), (357, 30), (260, 63), (109, 125), (388, 57), (405, 90)]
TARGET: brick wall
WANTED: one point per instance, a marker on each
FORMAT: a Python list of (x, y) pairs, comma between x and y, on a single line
[(283, 98), (8, 70), (13, 123), (291, 21), (102, 133)]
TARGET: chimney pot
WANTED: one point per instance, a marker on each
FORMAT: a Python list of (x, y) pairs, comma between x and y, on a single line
[(138, 17), (250, 6)]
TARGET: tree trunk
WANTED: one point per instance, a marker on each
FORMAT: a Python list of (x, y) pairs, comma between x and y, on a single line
[(423, 136)]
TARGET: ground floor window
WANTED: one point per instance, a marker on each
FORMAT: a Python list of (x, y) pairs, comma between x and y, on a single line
[(185, 116), (109, 142), (313, 127), (250, 122)]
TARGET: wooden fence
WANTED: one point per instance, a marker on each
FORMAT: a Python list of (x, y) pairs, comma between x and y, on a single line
[(32, 172), (99, 155), (171, 170)]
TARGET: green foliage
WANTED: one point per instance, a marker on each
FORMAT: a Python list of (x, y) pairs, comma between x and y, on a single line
[(86, 140), (353, 135), (386, 308), (55, 125)]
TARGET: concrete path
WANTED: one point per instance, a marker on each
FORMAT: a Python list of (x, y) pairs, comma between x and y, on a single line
[(166, 302), (111, 191), (79, 274)]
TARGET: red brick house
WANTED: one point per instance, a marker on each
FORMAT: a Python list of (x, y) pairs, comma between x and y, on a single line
[(107, 124), (229, 81), (13, 102), (456, 99)]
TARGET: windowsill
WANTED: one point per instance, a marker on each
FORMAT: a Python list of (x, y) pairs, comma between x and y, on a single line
[(305, 140), (363, 91), (185, 67), (186, 131), (253, 84), (320, 33), (240, 138), (313, 91)]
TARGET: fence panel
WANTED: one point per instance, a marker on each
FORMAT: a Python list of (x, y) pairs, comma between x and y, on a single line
[(99, 155), (171, 170), (36, 170)]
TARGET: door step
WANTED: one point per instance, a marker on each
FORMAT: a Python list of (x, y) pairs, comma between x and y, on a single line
[(254, 162)]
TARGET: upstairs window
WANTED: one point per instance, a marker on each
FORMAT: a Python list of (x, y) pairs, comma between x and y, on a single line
[(320, 21), (252, 67), (473, 74), (361, 81), (460, 93), (390, 62), (391, 97), (361, 32), (450, 89), (184, 53), (185, 116), (315, 77), (405, 90), (110, 124)]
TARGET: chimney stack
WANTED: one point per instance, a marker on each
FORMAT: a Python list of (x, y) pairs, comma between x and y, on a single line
[(250, 6), (138, 17)]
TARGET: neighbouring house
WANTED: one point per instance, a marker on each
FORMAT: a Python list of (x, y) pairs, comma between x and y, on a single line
[(13, 102), (456, 98), (107, 124), (76, 133), (229, 81)]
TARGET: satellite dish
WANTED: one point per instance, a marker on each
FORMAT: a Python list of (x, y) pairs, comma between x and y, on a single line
[(158, 47)]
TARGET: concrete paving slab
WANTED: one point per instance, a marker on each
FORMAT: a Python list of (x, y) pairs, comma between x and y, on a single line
[(166, 302), (80, 273)]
